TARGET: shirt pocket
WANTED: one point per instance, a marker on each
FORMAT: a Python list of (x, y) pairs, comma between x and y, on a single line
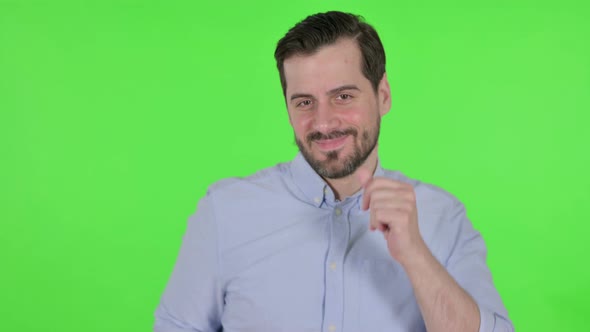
[(386, 298)]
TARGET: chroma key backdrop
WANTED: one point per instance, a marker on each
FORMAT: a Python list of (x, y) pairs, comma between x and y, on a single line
[(115, 117)]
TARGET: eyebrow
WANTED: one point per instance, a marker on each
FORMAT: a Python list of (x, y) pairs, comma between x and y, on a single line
[(300, 95), (343, 88), (331, 92)]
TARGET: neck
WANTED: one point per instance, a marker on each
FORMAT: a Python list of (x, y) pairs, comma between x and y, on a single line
[(349, 185)]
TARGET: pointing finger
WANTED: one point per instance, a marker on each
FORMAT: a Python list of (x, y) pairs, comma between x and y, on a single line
[(364, 177)]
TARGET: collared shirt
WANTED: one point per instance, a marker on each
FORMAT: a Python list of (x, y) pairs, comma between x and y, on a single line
[(277, 252)]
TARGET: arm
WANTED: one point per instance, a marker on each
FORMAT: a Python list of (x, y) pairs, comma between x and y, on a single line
[(459, 296), (193, 298), (466, 264), (444, 305)]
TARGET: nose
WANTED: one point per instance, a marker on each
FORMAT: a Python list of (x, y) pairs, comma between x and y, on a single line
[(325, 118)]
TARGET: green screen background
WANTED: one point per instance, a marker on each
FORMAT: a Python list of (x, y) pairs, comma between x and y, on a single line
[(116, 116)]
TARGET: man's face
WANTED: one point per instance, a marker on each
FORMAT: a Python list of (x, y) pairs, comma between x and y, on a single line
[(334, 111)]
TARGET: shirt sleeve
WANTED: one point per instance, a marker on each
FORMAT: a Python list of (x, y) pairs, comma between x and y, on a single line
[(193, 298), (467, 265)]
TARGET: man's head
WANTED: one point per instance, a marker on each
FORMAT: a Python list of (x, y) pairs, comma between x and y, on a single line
[(332, 69), (319, 30)]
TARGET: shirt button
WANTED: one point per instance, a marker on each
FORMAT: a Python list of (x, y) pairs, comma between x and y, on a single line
[(338, 211), (332, 266), (332, 328), (317, 200)]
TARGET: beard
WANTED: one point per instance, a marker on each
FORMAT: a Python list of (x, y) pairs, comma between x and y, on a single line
[(336, 165)]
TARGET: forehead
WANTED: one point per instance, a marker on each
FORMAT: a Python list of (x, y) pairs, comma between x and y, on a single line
[(331, 66)]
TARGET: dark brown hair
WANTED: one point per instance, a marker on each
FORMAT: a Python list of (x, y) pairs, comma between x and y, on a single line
[(323, 29)]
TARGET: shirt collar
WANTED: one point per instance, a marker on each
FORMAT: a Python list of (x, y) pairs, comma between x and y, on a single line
[(315, 189)]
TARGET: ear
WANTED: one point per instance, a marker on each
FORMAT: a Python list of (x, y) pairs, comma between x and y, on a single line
[(384, 95)]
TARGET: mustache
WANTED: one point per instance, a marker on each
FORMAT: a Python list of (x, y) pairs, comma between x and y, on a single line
[(316, 135)]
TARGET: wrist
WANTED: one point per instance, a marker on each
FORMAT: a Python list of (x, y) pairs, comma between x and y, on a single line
[(420, 264)]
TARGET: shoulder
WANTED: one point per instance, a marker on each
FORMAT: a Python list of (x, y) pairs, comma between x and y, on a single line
[(428, 196), (266, 180), (248, 208)]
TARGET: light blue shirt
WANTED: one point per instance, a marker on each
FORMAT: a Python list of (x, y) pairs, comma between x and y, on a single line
[(277, 252)]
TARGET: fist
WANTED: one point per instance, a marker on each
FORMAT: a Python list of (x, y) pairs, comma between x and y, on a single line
[(392, 207)]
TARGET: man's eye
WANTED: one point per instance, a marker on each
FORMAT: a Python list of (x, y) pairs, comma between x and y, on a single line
[(304, 103), (344, 96)]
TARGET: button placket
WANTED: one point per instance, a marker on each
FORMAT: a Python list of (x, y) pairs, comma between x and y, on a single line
[(334, 300)]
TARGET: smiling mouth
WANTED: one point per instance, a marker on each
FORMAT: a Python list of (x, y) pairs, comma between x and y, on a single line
[(330, 144)]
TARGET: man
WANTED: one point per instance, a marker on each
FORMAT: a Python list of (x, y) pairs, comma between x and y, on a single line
[(331, 241)]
